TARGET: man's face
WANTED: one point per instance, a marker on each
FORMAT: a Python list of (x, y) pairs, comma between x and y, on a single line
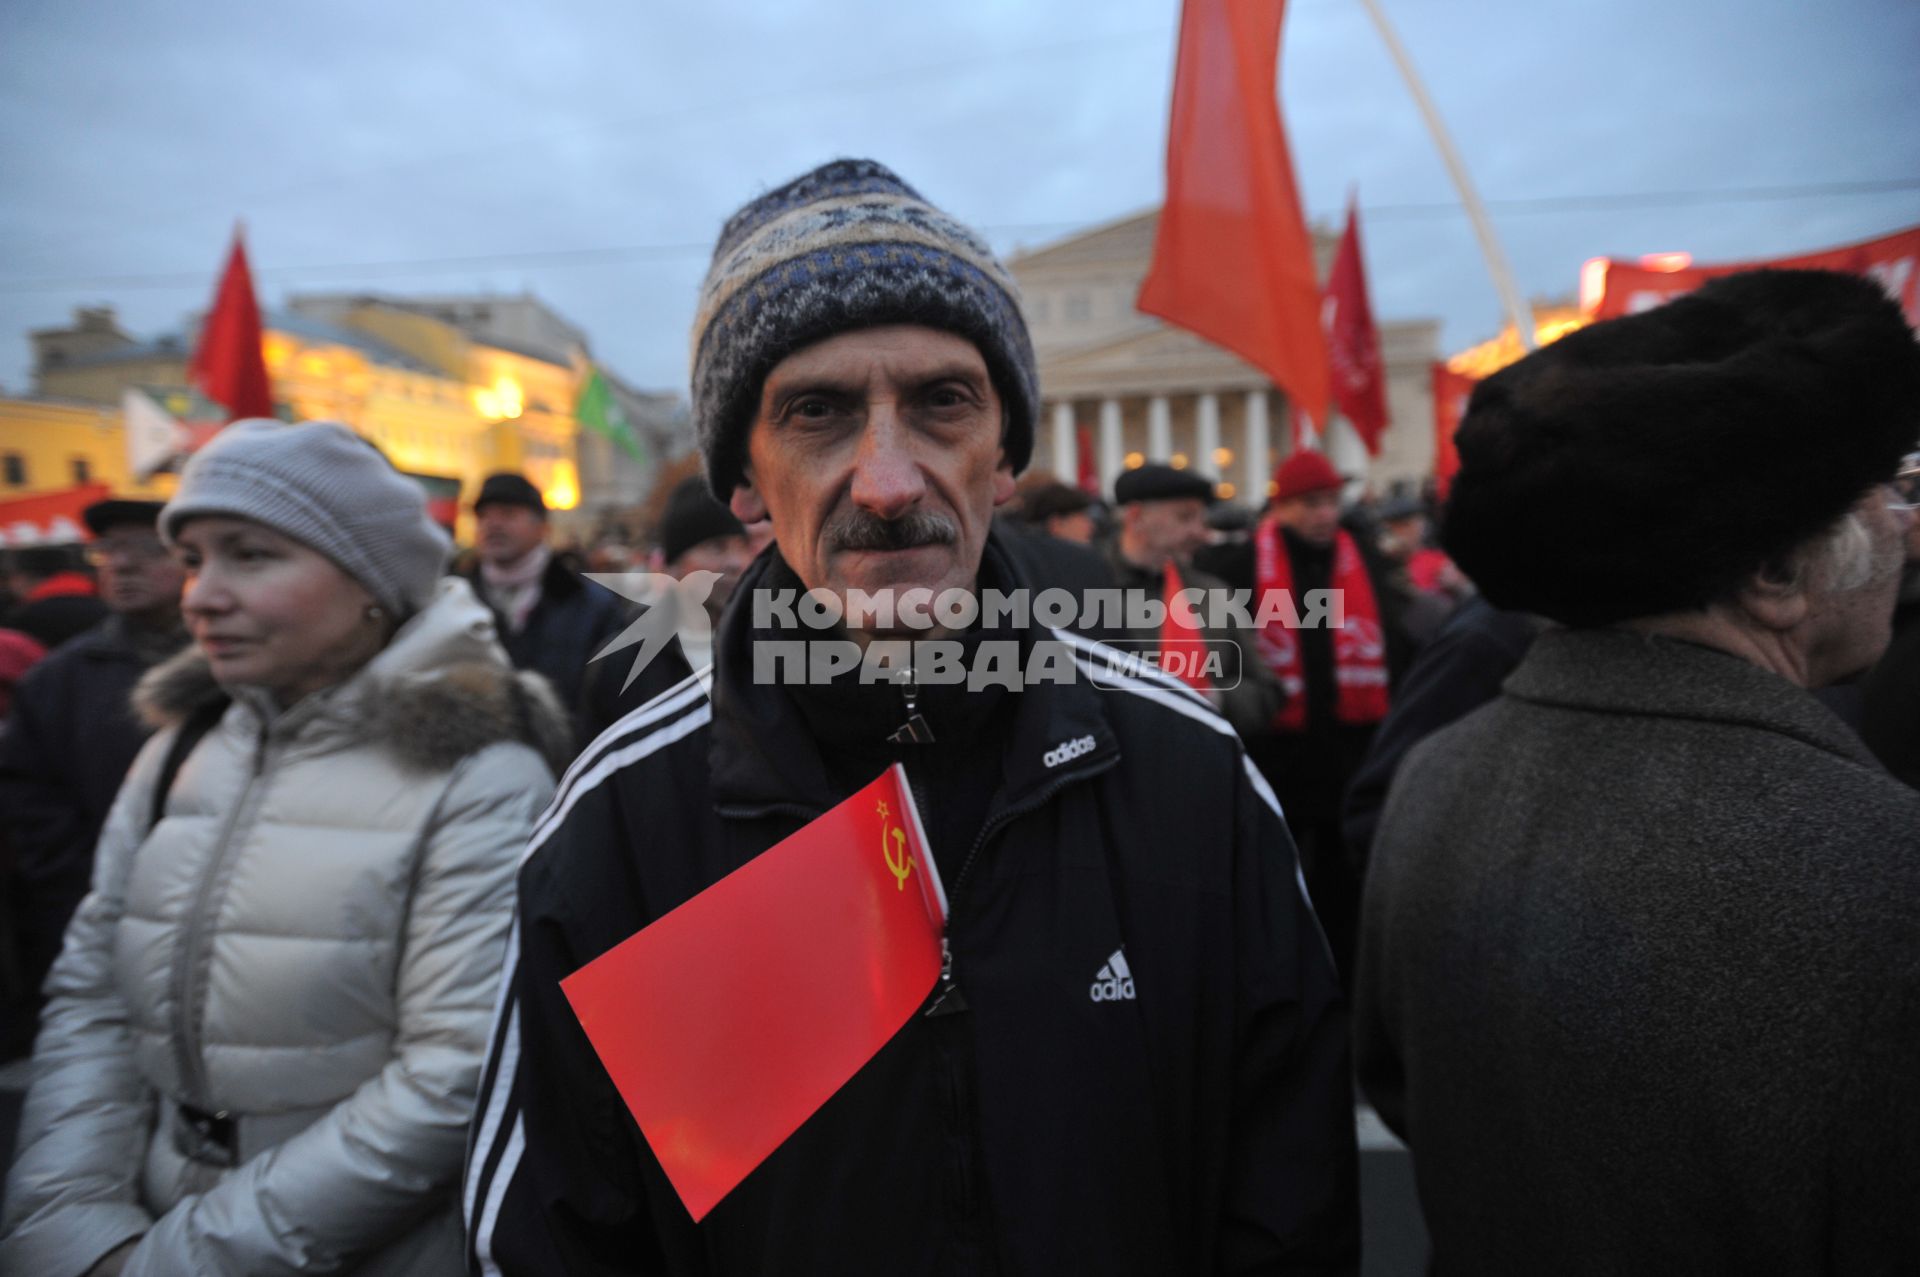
[(1314, 517), (729, 556), (877, 456), (508, 532), (1156, 531), (137, 576), (1852, 626)]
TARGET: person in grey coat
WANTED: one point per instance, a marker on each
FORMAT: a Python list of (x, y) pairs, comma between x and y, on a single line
[(1640, 966), (264, 1031)]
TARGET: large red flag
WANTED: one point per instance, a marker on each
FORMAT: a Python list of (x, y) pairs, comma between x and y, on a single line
[(228, 365), (1353, 343), (1232, 259), (729, 1021)]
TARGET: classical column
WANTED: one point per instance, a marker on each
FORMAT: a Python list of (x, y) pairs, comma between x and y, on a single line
[(1159, 429), (1257, 467), (1206, 434), (1066, 447), (1112, 455)]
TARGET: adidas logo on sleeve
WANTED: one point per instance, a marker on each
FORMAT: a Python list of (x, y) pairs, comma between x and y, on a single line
[(1114, 983)]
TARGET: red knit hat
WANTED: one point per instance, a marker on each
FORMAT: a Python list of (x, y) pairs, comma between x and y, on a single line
[(1305, 472)]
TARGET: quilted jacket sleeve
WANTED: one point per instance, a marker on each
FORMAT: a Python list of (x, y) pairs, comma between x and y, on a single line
[(387, 1157), (73, 1192)]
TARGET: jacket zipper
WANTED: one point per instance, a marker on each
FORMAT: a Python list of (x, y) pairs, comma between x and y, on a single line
[(187, 1032), (951, 999)]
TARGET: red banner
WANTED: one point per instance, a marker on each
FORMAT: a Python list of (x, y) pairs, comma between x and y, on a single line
[(1353, 343), (1451, 391), (1183, 645), (1626, 288), (52, 518), (729, 1021), (1232, 258)]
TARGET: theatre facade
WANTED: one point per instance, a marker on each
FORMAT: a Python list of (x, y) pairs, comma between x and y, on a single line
[(1129, 388)]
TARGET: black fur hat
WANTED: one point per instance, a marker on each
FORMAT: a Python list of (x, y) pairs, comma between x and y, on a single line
[(1650, 463)]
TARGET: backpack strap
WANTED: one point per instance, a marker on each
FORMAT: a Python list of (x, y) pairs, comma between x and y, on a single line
[(192, 730)]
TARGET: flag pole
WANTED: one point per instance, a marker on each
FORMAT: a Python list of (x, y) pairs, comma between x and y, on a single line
[(1519, 314)]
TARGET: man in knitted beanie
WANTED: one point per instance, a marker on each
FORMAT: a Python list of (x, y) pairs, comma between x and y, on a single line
[(1133, 1059), (1640, 980)]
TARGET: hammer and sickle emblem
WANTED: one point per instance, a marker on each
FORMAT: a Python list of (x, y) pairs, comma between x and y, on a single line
[(896, 856)]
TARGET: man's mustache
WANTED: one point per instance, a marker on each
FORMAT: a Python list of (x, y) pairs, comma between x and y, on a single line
[(863, 530)]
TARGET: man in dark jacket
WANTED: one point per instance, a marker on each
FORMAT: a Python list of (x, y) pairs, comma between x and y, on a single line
[(57, 600), (550, 620), (72, 735), (1640, 977), (696, 534), (1163, 521), (1133, 1062)]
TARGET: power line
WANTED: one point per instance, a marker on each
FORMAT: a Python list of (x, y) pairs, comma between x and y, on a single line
[(565, 258)]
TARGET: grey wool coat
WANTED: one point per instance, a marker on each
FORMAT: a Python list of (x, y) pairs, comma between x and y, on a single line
[(1640, 975), (307, 943)]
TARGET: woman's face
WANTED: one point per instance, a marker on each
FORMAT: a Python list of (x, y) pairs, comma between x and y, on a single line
[(269, 612)]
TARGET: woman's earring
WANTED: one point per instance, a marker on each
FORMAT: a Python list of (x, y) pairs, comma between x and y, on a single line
[(375, 612)]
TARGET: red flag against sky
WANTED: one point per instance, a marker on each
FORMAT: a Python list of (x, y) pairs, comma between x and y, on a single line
[(1183, 647), (729, 1021), (1232, 259), (1353, 343), (228, 365)]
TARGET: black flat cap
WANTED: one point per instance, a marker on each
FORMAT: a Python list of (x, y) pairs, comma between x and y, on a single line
[(120, 512), (1160, 483)]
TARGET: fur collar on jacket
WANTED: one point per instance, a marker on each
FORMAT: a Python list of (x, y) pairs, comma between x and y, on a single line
[(439, 692)]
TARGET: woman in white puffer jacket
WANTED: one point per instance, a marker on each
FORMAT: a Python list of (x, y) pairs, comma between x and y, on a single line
[(265, 1029)]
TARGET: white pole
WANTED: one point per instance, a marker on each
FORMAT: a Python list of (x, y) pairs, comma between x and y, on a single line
[(1519, 314)]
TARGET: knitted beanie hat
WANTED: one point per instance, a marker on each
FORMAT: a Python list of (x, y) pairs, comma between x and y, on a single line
[(1651, 463), (845, 247), (328, 489)]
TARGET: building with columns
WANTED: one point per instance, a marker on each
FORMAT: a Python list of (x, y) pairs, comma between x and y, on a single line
[(1137, 389)]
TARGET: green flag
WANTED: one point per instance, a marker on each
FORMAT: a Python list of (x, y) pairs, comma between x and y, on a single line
[(597, 410)]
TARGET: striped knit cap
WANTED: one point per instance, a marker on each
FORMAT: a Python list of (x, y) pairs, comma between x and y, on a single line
[(845, 247)]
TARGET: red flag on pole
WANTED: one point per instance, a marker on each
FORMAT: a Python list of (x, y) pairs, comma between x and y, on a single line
[(1183, 646), (1089, 466), (729, 1021), (1353, 343), (228, 365), (1232, 259)]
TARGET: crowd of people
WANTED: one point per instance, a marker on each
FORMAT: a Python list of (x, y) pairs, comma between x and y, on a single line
[(1594, 798)]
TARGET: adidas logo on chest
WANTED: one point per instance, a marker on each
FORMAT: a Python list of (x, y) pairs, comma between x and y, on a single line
[(1114, 982)]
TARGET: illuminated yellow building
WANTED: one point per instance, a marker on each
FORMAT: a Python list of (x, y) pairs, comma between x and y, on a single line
[(439, 404), (1550, 323), (48, 447)]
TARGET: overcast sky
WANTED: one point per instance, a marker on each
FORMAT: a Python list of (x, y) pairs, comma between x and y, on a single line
[(590, 151)]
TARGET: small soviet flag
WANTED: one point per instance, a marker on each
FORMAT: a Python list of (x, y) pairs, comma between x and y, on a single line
[(727, 1022)]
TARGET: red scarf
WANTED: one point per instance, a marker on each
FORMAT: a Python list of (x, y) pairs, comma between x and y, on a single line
[(1359, 645)]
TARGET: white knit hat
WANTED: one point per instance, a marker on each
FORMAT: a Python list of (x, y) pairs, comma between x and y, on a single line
[(330, 490)]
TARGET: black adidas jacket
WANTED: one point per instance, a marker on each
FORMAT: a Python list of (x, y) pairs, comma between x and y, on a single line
[(1051, 1117)]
